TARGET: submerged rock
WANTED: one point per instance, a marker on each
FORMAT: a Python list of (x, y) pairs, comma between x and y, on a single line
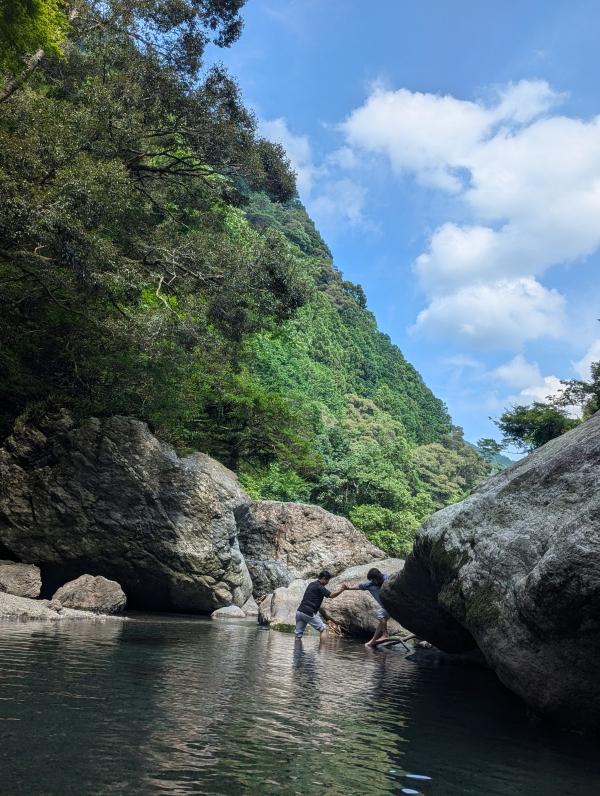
[(353, 613), (286, 541), (104, 496), (89, 593), (23, 580), (515, 571)]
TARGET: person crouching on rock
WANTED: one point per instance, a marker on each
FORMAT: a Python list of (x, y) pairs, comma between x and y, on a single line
[(373, 584), (308, 610)]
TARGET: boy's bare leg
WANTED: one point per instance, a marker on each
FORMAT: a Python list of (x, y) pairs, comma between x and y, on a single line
[(381, 633)]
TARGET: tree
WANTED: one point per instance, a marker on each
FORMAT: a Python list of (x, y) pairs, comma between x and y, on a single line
[(529, 427), (578, 392), (28, 26)]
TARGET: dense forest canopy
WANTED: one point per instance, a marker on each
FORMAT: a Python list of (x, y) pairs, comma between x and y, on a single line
[(155, 261)]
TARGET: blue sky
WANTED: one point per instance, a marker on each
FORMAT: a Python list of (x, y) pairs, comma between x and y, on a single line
[(449, 153)]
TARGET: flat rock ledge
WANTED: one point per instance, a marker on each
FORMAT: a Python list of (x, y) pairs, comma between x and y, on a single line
[(23, 609)]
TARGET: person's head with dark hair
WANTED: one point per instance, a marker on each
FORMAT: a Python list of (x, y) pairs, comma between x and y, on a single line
[(324, 576), (376, 576)]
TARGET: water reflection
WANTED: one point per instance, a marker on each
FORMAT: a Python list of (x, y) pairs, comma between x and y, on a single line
[(184, 706)]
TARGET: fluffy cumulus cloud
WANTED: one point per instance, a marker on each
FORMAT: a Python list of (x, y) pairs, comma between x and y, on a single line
[(501, 314), (528, 180)]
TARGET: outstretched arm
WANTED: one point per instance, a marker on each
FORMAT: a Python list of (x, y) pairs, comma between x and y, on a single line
[(337, 592)]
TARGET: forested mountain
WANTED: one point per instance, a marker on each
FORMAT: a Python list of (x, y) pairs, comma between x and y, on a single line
[(155, 261)]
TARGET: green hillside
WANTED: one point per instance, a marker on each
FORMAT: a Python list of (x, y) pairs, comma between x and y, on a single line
[(386, 452)]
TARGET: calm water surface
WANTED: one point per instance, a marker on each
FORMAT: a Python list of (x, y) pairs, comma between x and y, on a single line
[(167, 705)]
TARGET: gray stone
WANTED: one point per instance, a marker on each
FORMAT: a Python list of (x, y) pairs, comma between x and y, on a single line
[(92, 593), (515, 571), (228, 612), (353, 613), (250, 608), (278, 610), (287, 541), (104, 496), (267, 575), (13, 608), (23, 580)]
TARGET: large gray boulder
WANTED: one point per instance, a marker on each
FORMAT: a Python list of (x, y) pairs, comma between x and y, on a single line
[(515, 571), (286, 541), (92, 593), (24, 609), (22, 580), (104, 496), (278, 610), (353, 612)]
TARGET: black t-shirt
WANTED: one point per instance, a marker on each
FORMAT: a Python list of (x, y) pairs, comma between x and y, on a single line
[(313, 597)]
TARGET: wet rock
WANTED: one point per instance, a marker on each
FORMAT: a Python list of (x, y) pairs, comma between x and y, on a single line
[(278, 610), (89, 593), (22, 580), (353, 613), (283, 542), (228, 612), (104, 496), (514, 570)]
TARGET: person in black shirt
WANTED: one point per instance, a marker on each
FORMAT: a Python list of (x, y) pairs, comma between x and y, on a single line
[(308, 610)]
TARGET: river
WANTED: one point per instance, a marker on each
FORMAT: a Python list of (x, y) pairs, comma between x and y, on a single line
[(175, 705)]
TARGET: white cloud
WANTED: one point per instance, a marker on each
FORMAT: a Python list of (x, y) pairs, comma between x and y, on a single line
[(582, 367), (344, 158), (297, 148), (433, 135), (497, 315), (547, 387), (518, 373), (527, 178), (526, 377)]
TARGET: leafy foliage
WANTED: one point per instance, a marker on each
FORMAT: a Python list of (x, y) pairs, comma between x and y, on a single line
[(27, 26), (529, 427)]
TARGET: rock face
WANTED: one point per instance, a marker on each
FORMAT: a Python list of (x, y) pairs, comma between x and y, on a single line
[(89, 593), (283, 542), (104, 496), (23, 580), (353, 613), (515, 570)]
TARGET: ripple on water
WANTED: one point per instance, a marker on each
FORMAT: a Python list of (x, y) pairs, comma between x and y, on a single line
[(173, 705)]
